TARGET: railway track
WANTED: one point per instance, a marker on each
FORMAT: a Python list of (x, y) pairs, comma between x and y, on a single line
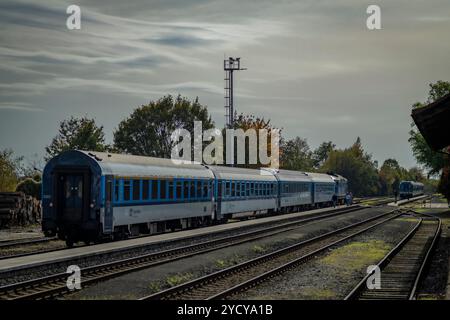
[(26, 247), (54, 285), (12, 243), (403, 267), (245, 275), (377, 201)]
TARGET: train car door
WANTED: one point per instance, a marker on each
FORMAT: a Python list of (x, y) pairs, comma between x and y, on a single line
[(108, 227), (72, 197)]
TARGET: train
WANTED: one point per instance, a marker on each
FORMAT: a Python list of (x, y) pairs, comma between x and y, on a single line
[(91, 196), (410, 189)]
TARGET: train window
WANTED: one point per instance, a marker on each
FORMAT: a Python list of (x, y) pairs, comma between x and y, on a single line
[(154, 189), (116, 189), (178, 188), (248, 189), (186, 185), (199, 189), (145, 189), (126, 190), (238, 189), (220, 187), (233, 189), (163, 189), (171, 185), (227, 188), (136, 189), (193, 182), (205, 189)]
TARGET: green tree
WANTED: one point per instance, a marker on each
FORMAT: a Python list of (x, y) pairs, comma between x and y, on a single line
[(357, 166), (147, 131), (416, 174), (296, 155), (389, 176), (77, 133), (9, 168), (320, 155)]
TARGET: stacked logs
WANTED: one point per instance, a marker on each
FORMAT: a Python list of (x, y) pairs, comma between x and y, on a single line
[(16, 208)]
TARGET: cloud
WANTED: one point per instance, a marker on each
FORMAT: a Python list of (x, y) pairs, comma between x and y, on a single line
[(19, 106)]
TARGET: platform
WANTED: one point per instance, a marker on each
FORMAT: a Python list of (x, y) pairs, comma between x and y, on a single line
[(400, 202), (18, 263)]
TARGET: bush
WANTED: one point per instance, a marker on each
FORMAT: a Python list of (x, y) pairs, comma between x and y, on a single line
[(30, 187)]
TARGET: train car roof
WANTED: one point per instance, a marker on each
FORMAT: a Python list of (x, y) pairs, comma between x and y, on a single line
[(233, 173), (338, 177), (289, 175), (320, 177), (132, 166), (412, 182)]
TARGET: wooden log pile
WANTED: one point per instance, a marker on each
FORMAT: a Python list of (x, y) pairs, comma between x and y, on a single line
[(16, 208)]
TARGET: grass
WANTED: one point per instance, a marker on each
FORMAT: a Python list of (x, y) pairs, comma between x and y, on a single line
[(154, 286), (222, 264), (258, 249), (357, 255), (178, 278), (318, 293)]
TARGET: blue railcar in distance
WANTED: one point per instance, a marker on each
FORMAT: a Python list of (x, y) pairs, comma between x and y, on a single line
[(410, 189), (89, 196)]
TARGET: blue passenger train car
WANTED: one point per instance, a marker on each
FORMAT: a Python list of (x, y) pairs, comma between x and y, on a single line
[(410, 189), (88, 196)]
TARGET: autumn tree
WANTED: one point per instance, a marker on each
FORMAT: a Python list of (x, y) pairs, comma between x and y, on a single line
[(9, 168), (245, 123)]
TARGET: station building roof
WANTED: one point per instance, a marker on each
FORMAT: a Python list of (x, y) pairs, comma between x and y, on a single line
[(433, 122)]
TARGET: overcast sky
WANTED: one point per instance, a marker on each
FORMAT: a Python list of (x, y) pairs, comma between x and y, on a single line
[(314, 68)]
